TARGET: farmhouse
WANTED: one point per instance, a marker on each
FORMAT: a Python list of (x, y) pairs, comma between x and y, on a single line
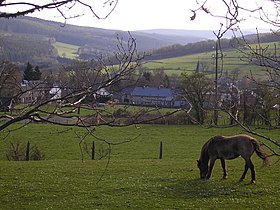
[(150, 96), (34, 91)]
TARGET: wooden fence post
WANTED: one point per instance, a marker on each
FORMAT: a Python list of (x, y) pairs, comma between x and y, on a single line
[(93, 150), (160, 150), (27, 156)]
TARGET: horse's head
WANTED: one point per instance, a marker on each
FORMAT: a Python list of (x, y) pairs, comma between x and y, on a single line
[(203, 168)]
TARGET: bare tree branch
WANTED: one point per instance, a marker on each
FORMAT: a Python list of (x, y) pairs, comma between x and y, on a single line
[(27, 8), (247, 129)]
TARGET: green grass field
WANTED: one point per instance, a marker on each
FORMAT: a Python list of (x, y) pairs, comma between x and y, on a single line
[(231, 64), (234, 62), (135, 178), (66, 50)]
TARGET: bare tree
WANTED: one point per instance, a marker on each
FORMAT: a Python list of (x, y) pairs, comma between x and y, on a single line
[(230, 18), (196, 88), (259, 55), (9, 76), (63, 7)]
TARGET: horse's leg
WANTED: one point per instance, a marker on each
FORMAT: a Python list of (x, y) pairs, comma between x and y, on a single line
[(244, 173), (253, 174), (210, 168), (248, 165), (223, 163)]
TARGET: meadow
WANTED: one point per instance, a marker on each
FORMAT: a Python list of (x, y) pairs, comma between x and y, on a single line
[(135, 177), (66, 50), (235, 62)]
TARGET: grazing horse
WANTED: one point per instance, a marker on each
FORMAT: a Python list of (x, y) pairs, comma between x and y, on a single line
[(228, 148)]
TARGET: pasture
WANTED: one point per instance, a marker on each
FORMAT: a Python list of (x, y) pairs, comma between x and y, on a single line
[(135, 177), (66, 50), (236, 63)]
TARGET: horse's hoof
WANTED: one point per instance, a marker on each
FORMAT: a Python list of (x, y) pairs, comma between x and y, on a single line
[(225, 177), (253, 182), (241, 180)]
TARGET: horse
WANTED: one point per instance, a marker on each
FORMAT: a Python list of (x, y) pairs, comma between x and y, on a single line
[(228, 148)]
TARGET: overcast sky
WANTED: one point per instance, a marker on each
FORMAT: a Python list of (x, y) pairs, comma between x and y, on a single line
[(132, 15)]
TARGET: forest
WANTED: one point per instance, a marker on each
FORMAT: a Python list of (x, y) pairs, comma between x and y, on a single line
[(23, 47)]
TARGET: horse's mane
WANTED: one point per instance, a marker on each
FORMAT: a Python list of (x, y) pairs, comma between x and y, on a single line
[(204, 151)]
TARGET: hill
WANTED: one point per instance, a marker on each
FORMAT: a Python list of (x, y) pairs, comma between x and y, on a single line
[(190, 36), (47, 42), (177, 50), (80, 35), (236, 62), (29, 33), (22, 48)]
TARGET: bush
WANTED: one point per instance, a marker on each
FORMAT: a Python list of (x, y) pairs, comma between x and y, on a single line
[(17, 152), (121, 113), (36, 154)]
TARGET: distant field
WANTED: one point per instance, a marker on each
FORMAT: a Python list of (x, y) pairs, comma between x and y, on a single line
[(135, 178), (66, 50), (234, 63)]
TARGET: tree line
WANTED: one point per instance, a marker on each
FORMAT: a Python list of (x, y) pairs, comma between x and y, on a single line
[(177, 50)]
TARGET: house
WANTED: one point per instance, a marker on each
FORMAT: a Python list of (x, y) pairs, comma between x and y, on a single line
[(55, 92), (150, 96), (33, 91), (123, 96), (102, 95)]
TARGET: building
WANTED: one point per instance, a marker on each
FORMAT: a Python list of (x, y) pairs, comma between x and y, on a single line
[(150, 96), (33, 91)]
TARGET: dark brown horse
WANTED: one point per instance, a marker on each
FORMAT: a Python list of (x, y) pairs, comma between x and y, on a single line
[(227, 148)]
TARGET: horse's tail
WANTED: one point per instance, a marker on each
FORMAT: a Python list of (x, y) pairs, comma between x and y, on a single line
[(262, 154)]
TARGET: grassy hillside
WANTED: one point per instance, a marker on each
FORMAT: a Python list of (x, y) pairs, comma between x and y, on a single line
[(135, 178), (66, 50), (235, 62), (188, 63)]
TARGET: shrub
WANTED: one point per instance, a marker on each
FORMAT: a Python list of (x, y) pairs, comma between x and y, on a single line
[(37, 154), (17, 152), (121, 113)]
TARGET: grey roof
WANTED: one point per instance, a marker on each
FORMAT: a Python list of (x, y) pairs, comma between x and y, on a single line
[(152, 92)]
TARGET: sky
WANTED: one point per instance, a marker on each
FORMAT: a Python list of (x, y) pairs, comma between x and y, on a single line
[(131, 15)]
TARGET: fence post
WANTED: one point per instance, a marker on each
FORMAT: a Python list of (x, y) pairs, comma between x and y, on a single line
[(27, 156), (160, 150), (93, 150)]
